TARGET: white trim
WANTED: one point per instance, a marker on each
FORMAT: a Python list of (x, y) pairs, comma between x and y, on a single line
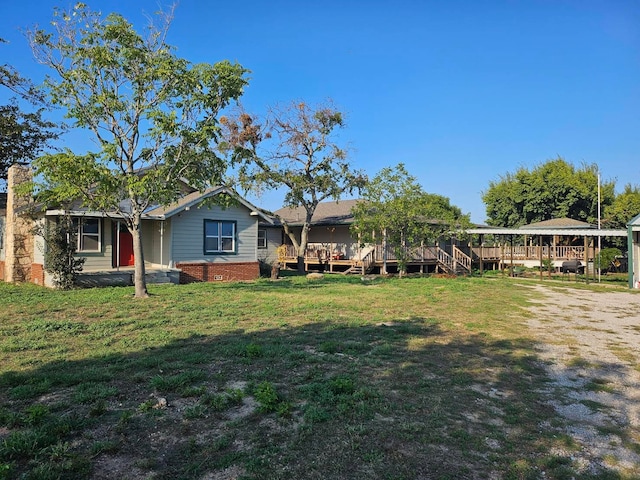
[(583, 232)]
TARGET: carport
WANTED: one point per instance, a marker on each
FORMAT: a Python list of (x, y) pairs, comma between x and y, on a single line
[(551, 230)]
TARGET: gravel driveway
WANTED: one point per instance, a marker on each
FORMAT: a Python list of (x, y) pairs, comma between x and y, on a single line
[(590, 343)]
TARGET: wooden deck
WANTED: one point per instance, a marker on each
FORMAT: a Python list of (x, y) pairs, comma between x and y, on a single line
[(342, 257)]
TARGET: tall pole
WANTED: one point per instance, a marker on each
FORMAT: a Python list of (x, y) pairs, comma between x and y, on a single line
[(599, 237)]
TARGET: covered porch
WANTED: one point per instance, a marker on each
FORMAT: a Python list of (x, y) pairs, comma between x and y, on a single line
[(542, 245)]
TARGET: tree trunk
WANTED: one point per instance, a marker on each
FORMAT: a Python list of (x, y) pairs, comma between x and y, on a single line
[(304, 239), (139, 278)]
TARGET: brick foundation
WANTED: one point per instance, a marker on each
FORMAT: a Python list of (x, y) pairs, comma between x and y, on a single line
[(1, 269), (37, 274), (218, 272)]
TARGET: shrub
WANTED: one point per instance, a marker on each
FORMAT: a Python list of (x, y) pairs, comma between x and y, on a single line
[(60, 239)]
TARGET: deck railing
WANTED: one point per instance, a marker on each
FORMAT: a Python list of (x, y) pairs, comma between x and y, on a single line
[(345, 251), (325, 251), (414, 254)]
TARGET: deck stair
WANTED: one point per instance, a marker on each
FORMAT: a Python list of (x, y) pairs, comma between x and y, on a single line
[(459, 263), (462, 262), (363, 263)]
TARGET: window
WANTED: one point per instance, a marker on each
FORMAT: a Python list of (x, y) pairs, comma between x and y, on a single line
[(219, 237), (262, 238), (88, 234)]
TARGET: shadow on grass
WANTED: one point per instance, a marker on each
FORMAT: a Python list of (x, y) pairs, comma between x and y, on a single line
[(401, 400)]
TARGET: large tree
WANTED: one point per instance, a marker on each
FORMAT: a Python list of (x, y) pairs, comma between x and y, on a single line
[(553, 189), (395, 207), (625, 206), (153, 116), (23, 134), (295, 149)]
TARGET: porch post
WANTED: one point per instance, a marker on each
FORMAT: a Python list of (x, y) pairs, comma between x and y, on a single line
[(118, 245), (161, 243)]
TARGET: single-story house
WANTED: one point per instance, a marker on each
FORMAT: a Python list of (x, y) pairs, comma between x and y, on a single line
[(332, 245), (193, 239)]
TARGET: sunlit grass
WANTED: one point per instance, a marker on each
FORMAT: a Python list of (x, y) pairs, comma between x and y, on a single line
[(290, 379)]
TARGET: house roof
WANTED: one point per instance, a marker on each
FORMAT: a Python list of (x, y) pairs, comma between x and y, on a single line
[(184, 203), (634, 223), (326, 213), (195, 198), (564, 223)]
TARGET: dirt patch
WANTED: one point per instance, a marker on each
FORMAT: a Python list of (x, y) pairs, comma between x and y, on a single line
[(590, 343)]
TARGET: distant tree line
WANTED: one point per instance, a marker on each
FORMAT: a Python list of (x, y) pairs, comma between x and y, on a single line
[(557, 189)]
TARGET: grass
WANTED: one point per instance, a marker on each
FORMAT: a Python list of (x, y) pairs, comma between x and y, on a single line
[(401, 379)]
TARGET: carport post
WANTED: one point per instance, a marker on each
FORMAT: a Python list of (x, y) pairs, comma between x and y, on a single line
[(511, 243), (540, 248), (586, 259), (481, 254)]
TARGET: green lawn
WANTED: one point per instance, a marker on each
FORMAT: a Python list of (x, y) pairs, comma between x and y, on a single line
[(429, 378)]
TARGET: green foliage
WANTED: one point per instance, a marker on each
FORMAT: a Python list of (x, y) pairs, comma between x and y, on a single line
[(394, 206), (177, 382), (270, 400), (607, 257), (153, 114), (60, 237), (23, 135), (295, 149), (625, 206), (554, 189)]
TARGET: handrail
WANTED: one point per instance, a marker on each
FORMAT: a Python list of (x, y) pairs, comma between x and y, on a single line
[(446, 260), (367, 259), (462, 258)]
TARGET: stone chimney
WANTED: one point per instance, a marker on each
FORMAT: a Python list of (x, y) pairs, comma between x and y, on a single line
[(18, 229)]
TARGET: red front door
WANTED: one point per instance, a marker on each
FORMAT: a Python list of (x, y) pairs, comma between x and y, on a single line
[(125, 249)]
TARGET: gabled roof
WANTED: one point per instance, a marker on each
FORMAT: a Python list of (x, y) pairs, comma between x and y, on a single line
[(327, 213), (634, 223), (192, 199), (164, 212)]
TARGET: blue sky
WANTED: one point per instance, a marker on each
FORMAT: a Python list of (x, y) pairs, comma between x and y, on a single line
[(461, 92)]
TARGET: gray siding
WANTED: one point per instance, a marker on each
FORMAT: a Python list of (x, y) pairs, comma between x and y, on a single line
[(187, 235), (157, 237), (102, 260), (274, 240)]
